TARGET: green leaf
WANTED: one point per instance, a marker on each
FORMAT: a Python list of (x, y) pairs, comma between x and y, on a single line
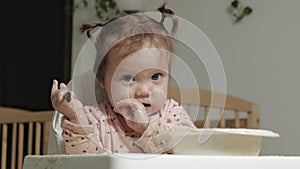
[(112, 4), (247, 10), (103, 6), (235, 3)]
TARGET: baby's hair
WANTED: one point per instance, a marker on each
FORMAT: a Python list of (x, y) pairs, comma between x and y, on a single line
[(126, 34), (168, 12), (165, 12), (89, 27)]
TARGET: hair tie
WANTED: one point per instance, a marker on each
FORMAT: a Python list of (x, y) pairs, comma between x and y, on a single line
[(89, 27)]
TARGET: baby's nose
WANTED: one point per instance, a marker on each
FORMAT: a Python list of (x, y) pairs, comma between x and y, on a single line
[(142, 90)]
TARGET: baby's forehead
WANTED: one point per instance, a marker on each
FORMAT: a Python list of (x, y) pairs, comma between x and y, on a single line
[(146, 49), (145, 58)]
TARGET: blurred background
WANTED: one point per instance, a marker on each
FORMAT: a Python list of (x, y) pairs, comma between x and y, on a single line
[(36, 48)]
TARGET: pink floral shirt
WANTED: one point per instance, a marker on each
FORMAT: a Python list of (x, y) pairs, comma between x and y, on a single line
[(108, 131)]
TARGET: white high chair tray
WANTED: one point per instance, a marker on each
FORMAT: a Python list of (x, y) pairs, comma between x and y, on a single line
[(220, 141), (144, 161), (231, 148)]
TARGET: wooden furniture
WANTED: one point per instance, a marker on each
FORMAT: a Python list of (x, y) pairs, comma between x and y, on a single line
[(23, 133), (235, 113)]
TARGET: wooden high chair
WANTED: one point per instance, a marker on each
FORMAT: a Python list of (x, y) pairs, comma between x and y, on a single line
[(235, 113), (22, 133)]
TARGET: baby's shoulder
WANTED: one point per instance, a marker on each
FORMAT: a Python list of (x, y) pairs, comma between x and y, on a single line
[(171, 101), (170, 104)]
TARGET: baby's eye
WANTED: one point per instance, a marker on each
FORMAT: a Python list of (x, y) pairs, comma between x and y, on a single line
[(128, 78), (156, 76)]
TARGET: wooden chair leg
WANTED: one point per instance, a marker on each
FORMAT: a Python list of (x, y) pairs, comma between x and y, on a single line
[(4, 145), (20, 147), (14, 146)]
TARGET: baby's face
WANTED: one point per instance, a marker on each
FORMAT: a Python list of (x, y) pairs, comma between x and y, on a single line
[(143, 75)]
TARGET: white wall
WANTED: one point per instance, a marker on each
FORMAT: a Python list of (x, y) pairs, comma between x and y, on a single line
[(260, 55)]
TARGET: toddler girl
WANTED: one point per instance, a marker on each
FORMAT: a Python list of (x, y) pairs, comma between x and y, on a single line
[(132, 67)]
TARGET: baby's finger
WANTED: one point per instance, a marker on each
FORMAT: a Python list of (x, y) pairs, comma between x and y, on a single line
[(132, 103), (63, 86), (54, 86), (125, 111), (64, 123), (63, 119)]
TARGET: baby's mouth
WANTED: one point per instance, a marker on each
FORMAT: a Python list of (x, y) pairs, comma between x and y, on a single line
[(147, 106)]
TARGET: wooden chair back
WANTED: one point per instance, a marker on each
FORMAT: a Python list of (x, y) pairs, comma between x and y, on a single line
[(231, 110), (23, 133)]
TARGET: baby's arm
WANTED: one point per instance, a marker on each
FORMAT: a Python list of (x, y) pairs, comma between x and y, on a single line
[(81, 139), (80, 132)]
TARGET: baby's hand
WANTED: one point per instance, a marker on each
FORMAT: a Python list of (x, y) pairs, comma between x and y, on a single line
[(63, 100), (134, 114)]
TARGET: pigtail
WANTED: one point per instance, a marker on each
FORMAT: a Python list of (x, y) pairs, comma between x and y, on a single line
[(89, 27), (168, 12)]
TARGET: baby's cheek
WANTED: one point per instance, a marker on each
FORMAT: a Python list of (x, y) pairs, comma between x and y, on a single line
[(120, 92), (157, 99)]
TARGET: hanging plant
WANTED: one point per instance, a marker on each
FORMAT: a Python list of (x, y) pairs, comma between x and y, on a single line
[(105, 9), (239, 11)]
